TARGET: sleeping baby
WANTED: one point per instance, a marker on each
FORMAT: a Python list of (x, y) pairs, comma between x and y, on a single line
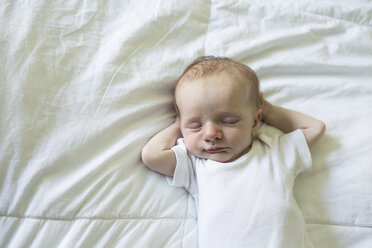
[(240, 177)]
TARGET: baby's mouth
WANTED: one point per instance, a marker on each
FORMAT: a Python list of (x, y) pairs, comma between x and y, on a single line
[(216, 149)]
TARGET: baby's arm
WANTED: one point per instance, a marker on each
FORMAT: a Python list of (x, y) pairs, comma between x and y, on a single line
[(289, 120), (157, 155)]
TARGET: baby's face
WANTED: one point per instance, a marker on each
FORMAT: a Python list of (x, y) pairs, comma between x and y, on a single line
[(216, 120)]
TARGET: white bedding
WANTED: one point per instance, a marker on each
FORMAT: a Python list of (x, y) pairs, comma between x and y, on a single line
[(84, 84)]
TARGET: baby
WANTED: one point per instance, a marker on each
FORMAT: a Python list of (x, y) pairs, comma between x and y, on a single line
[(241, 178)]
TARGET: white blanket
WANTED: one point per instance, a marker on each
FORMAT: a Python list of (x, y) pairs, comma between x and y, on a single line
[(84, 84)]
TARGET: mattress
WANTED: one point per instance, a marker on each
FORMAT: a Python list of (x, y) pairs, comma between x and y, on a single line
[(84, 85)]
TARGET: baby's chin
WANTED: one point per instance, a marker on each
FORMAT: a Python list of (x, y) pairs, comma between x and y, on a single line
[(222, 157)]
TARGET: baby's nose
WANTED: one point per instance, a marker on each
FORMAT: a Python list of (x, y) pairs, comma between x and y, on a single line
[(212, 131)]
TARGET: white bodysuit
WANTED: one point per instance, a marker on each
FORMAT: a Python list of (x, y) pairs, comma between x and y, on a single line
[(248, 202)]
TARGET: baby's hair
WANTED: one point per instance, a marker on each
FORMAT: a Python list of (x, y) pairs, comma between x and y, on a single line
[(208, 65)]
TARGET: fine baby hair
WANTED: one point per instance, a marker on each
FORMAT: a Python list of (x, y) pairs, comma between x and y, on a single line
[(205, 66)]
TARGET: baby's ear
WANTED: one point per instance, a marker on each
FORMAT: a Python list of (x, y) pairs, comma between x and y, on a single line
[(258, 117), (256, 121), (259, 114)]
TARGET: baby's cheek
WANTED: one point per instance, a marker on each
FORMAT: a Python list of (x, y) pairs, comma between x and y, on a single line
[(191, 144)]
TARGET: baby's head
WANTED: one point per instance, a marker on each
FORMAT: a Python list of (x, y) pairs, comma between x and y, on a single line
[(217, 102)]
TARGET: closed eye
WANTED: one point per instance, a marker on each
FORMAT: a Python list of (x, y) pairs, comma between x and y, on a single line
[(194, 125), (230, 120)]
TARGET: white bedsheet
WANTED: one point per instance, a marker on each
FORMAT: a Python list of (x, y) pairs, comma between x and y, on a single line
[(84, 84)]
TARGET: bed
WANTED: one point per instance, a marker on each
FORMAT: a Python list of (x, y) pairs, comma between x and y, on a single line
[(84, 85)]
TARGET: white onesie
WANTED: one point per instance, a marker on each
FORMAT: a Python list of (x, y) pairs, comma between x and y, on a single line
[(248, 202)]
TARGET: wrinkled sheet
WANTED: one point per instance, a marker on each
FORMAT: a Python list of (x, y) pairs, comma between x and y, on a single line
[(84, 84)]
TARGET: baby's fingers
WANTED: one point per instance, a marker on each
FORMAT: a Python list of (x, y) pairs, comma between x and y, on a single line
[(261, 98)]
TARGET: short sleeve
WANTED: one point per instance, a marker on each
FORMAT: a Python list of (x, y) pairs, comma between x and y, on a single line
[(184, 173), (294, 151)]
